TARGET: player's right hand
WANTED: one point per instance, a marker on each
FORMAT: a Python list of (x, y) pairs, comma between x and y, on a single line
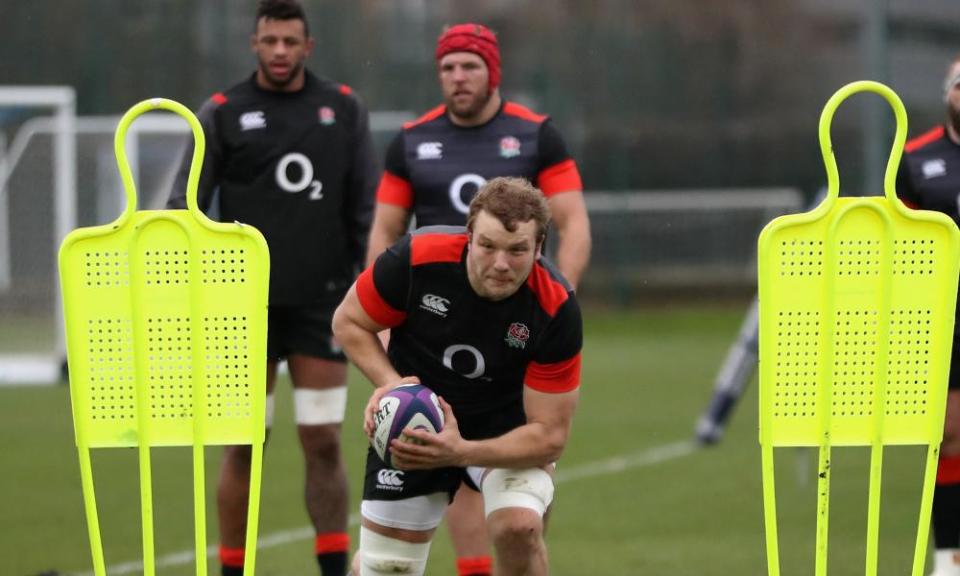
[(374, 403)]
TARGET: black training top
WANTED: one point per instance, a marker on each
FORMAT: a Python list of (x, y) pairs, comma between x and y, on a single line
[(435, 167), (476, 353), (300, 167)]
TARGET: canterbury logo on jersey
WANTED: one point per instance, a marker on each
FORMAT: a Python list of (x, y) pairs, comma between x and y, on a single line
[(390, 480), (436, 304), (430, 151), (252, 120)]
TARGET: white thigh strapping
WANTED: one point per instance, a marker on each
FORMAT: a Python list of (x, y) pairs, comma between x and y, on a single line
[(315, 407), (530, 488), (417, 513), (269, 408), (382, 556)]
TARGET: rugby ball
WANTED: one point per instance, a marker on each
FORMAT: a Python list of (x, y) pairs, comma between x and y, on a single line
[(407, 406)]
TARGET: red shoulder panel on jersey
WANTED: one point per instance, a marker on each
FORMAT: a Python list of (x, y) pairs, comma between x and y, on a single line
[(514, 109), (395, 190), (554, 378), (561, 177), (219, 98), (373, 304), (948, 470), (436, 248), (549, 292), (431, 115), (924, 139), (346, 90)]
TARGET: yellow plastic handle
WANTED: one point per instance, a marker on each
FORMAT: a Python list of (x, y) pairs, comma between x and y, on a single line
[(196, 164), (826, 147)]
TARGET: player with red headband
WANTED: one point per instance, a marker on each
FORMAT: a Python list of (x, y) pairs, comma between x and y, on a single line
[(435, 166)]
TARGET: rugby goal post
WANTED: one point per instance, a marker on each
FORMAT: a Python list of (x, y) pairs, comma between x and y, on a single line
[(61, 101)]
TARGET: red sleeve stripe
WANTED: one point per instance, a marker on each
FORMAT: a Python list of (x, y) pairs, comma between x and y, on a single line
[(395, 190), (549, 292), (561, 177), (554, 378), (436, 248), (514, 109), (948, 471), (924, 139), (219, 98), (428, 116), (345, 90), (373, 304)]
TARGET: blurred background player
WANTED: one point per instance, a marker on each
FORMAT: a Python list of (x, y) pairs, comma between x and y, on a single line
[(929, 179), (735, 373), (290, 153), (436, 164), (503, 351)]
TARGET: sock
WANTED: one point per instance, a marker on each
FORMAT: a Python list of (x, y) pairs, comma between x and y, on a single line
[(331, 549), (475, 566), (231, 561)]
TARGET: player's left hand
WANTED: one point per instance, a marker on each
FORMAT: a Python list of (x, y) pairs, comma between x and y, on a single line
[(423, 450)]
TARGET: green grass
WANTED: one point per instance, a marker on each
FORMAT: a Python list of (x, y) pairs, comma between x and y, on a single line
[(647, 375)]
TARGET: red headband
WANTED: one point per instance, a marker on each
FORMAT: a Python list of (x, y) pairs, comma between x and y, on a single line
[(474, 38)]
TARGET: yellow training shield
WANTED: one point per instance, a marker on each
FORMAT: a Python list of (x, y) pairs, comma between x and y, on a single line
[(166, 318), (857, 302)]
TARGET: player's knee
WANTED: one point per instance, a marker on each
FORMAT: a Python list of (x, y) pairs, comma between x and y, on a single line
[(515, 530), (320, 442), (380, 555)]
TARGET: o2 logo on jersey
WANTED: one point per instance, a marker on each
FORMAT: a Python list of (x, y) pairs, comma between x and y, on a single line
[(479, 364), (459, 185), (305, 180)]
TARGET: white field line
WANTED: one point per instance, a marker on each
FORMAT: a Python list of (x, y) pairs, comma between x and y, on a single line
[(617, 464)]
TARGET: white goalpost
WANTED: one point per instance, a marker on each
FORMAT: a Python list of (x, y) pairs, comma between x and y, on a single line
[(61, 100)]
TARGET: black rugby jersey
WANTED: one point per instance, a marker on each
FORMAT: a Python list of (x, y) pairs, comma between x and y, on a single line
[(476, 353), (300, 167), (435, 167), (929, 176)]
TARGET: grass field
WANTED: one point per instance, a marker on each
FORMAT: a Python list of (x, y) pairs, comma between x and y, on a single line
[(632, 498)]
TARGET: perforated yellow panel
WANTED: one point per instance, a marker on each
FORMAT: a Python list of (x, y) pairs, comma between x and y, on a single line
[(869, 290)]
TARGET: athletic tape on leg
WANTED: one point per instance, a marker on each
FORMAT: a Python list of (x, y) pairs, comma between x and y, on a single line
[(382, 556), (269, 407), (416, 513), (530, 488), (315, 407)]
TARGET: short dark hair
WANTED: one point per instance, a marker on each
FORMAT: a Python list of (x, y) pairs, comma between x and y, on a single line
[(511, 201), (282, 10)]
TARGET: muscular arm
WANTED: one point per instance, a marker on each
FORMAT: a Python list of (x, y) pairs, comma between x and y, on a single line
[(569, 213), (389, 224), (356, 332)]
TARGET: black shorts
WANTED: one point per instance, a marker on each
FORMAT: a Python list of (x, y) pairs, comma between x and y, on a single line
[(382, 483), (302, 330)]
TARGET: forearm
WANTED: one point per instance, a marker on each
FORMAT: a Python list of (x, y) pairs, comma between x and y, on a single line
[(573, 253), (531, 445), (569, 212)]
